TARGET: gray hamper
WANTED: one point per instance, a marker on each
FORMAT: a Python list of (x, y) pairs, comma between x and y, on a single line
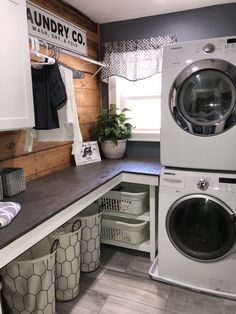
[(0, 295), (90, 237), (67, 260), (1, 188), (29, 281), (13, 181)]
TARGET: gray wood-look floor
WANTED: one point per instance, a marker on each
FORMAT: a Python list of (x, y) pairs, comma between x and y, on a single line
[(121, 285)]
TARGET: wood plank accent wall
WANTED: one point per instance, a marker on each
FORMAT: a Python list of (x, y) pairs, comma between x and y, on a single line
[(52, 156)]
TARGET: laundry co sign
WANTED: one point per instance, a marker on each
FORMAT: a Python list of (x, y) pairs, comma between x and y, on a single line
[(54, 30)]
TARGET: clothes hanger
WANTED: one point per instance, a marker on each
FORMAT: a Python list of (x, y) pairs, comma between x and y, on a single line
[(52, 55), (35, 51), (77, 74)]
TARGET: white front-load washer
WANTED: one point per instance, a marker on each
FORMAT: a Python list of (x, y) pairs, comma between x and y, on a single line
[(197, 231), (198, 109)]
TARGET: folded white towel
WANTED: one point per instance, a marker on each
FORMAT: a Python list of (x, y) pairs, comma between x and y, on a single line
[(8, 210)]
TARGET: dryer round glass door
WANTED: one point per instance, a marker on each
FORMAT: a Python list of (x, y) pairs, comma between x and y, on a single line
[(201, 227), (203, 97)]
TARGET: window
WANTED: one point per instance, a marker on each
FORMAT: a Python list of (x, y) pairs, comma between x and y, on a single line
[(143, 98)]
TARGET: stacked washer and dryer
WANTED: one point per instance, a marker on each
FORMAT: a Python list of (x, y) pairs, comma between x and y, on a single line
[(197, 193)]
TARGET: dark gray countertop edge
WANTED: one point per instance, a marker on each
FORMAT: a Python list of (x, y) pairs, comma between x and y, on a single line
[(49, 195)]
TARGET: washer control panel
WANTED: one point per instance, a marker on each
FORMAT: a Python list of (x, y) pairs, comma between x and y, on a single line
[(203, 184), (227, 185), (221, 185), (212, 184), (227, 188)]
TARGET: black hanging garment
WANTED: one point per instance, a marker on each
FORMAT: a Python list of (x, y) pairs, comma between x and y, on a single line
[(49, 95)]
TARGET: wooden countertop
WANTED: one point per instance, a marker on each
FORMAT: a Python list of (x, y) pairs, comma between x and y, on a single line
[(47, 196)]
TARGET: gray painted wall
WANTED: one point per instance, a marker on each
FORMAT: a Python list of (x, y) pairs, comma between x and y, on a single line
[(214, 21)]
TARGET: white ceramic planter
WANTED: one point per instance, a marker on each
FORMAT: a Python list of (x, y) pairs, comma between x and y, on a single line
[(113, 151)]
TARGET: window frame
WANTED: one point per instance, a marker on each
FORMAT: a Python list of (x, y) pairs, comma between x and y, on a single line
[(115, 97)]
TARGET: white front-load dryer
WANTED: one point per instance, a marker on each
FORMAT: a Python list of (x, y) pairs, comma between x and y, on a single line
[(197, 231), (198, 109)]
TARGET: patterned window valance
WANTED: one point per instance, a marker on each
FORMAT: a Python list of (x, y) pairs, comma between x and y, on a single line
[(134, 59)]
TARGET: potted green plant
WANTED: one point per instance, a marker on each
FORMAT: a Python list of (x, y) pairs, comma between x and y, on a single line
[(113, 130)]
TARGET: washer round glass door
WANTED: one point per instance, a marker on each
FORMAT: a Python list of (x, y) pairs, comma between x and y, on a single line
[(203, 97), (201, 227)]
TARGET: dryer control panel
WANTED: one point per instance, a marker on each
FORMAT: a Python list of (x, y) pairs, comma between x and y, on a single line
[(182, 54)]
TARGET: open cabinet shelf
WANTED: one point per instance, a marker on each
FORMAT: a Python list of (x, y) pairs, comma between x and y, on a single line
[(144, 217), (150, 215), (144, 246)]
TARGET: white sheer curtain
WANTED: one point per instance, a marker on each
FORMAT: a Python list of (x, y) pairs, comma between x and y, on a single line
[(134, 59)]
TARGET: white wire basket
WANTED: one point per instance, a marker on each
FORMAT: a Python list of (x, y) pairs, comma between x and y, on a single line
[(126, 198), (124, 229)]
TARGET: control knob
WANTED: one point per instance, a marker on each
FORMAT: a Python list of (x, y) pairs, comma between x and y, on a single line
[(203, 184), (209, 48)]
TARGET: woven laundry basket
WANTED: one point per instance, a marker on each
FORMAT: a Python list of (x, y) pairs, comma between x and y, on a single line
[(29, 281), (124, 229), (67, 260), (13, 181), (126, 198)]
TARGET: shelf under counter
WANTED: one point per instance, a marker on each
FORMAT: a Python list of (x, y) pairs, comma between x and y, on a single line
[(144, 217), (144, 246)]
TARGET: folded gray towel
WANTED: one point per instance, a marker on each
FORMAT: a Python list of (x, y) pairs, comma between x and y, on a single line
[(8, 210)]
